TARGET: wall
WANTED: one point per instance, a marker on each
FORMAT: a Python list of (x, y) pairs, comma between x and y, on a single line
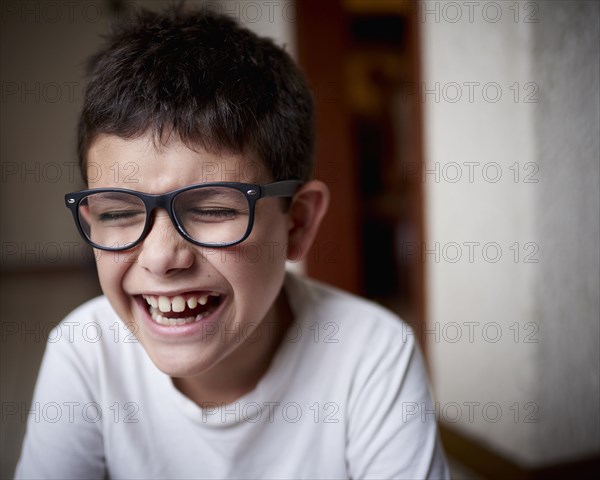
[(42, 88), (512, 245), (46, 270), (566, 60)]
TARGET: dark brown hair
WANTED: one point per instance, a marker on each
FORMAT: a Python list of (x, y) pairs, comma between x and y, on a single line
[(202, 77)]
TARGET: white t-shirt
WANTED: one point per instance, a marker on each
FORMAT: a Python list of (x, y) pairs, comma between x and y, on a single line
[(346, 396)]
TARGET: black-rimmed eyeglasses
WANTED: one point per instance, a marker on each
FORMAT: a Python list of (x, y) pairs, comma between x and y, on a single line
[(209, 215)]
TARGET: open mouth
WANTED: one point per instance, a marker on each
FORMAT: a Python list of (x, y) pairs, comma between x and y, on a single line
[(182, 309)]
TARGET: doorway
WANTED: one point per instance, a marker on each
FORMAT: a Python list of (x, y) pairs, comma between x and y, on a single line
[(362, 62)]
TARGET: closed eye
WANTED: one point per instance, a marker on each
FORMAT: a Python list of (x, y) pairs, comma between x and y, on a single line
[(215, 213), (115, 216)]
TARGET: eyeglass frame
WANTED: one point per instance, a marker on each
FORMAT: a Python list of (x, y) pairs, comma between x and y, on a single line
[(252, 192)]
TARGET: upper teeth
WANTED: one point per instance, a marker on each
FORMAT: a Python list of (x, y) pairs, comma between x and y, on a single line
[(177, 303)]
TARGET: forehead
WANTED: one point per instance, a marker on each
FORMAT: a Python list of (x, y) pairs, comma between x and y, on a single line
[(145, 165)]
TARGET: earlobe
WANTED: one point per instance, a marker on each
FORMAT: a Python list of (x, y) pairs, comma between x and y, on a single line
[(307, 210)]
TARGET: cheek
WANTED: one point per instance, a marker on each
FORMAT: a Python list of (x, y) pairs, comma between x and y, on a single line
[(260, 273), (112, 267), (255, 286), (270, 231), (264, 253)]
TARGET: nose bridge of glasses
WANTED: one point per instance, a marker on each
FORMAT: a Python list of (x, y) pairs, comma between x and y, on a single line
[(153, 202), (159, 201)]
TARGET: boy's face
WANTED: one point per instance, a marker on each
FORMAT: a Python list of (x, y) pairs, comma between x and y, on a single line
[(239, 284)]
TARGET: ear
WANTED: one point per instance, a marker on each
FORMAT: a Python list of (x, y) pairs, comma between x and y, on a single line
[(308, 208)]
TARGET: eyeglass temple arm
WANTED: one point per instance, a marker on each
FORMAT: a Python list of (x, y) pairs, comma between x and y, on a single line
[(286, 188)]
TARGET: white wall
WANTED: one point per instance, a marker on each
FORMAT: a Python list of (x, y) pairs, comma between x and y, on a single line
[(528, 320)]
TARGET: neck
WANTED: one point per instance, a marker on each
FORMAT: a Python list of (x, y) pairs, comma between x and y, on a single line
[(242, 369)]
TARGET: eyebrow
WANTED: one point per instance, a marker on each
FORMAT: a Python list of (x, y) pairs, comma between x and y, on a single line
[(206, 191), (115, 195)]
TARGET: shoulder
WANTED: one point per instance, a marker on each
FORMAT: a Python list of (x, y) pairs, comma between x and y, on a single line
[(355, 337), (96, 356), (371, 357), (319, 302), (95, 308), (95, 311), (87, 325), (89, 338), (71, 381)]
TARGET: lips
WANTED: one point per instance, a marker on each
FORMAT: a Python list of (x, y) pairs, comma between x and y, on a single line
[(181, 309)]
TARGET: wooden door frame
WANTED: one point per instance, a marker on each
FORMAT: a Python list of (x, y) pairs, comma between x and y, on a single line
[(322, 42)]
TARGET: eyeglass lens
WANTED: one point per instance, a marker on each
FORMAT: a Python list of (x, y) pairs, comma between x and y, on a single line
[(210, 215)]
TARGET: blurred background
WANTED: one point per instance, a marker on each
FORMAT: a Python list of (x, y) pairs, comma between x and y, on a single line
[(460, 141)]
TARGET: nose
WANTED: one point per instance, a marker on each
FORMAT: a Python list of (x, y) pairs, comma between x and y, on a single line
[(164, 252)]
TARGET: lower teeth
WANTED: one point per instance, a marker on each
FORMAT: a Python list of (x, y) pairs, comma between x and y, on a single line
[(155, 313)]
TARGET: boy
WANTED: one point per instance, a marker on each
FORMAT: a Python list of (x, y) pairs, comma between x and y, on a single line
[(233, 368)]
